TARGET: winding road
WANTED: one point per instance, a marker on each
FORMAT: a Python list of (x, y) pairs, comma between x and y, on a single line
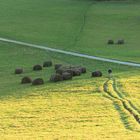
[(70, 53)]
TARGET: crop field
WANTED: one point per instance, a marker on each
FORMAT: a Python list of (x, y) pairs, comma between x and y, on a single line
[(84, 108)]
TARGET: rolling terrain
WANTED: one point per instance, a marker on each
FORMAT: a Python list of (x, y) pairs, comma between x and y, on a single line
[(81, 108)]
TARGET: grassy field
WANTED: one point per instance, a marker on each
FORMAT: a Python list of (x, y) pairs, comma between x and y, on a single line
[(84, 108), (77, 109), (76, 25)]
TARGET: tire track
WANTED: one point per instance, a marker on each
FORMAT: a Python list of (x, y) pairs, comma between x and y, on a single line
[(126, 103), (121, 96), (122, 114)]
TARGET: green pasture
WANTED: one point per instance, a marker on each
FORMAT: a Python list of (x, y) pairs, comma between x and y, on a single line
[(76, 25)]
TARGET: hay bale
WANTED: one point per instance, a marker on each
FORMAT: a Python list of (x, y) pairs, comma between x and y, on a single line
[(82, 69), (38, 81), (67, 76), (47, 64), (110, 42), (37, 67), (96, 74), (71, 71), (60, 71), (26, 80), (57, 66), (76, 72), (18, 71), (63, 70), (56, 78), (120, 42)]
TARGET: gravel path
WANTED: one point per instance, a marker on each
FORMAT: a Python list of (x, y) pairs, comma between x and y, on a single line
[(70, 53)]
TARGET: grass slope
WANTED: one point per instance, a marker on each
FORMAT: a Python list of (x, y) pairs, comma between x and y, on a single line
[(76, 25), (77, 109)]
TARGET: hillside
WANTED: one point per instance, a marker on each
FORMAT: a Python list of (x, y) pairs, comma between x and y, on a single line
[(85, 107)]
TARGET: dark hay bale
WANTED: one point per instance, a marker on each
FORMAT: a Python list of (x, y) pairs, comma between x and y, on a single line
[(67, 76), (76, 72), (71, 71), (120, 42), (26, 80), (57, 66), (56, 78), (38, 81), (110, 42), (37, 67), (96, 74), (60, 71), (63, 70), (18, 71), (47, 64), (82, 69)]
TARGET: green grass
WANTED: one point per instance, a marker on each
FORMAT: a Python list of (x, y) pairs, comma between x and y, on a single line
[(12, 58), (76, 25)]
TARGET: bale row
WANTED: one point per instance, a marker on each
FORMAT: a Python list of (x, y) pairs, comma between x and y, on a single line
[(40, 67), (119, 42), (37, 67), (27, 80), (66, 72), (61, 73)]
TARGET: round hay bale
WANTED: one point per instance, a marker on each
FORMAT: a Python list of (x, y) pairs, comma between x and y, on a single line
[(63, 70), (59, 71), (57, 66), (26, 80), (110, 42), (67, 76), (38, 81), (47, 64), (71, 71), (120, 42), (96, 74), (56, 78), (76, 72), (18, 71), (82, 69), (37, 67)]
